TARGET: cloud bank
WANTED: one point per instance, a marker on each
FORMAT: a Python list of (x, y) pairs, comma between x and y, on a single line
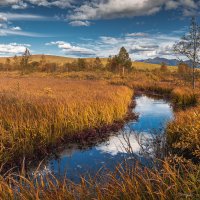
[(12, 49), (23, 4), (72, 50), (112, 9), (81, 12), (7, 27), (139, 45)]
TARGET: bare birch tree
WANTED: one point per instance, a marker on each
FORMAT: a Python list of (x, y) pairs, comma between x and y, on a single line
[(189, 47)]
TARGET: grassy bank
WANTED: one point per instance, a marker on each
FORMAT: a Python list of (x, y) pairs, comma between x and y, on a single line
[(183, 134), (37, 113), (176, 180)]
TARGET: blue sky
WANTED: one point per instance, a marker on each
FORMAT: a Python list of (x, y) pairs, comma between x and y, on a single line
[(90, 28)]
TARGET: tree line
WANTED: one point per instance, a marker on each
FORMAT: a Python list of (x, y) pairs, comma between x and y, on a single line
[(120, 63)]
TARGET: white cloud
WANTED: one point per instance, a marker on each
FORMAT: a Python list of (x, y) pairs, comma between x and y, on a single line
[(10, 31), (110, 40), (6, 29), (23, 17), (16, 28), (3, 18), (80, 23), (82, 11), (139, 34), (72, 50), (146, 46), (171, 5), (22, 4), (115, 9), (110, 9), (6, 22), (12, 49)]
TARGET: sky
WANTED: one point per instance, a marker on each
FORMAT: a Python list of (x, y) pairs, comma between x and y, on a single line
[(91, 28)]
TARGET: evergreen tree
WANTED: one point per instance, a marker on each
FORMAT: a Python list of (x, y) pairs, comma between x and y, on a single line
[(124, 60), (121, 62)]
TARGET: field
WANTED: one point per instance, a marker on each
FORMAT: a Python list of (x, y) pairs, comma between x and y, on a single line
[(39, 110)]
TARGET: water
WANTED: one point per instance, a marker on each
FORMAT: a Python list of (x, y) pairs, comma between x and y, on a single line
[(73, 162)]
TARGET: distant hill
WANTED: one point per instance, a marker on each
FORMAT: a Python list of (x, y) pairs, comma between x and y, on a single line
[(158, 60), (51, 58)]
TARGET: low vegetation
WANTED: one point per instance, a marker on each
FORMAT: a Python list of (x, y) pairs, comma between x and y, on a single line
[(178, 179), (37, 113), (183, 134)]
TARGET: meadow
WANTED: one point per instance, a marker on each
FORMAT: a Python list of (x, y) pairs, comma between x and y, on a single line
[(40, 110)]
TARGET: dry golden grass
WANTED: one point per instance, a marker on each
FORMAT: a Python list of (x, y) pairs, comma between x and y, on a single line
[(38, 112), (149, 66), (184, 133), (126, 183)]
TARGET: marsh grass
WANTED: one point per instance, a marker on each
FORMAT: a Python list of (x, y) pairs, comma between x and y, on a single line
[(183, 133), (184, 97), (39, 110), (178, 179), (37, 113)]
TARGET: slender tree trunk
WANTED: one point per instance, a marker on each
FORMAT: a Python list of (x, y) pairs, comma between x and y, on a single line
[(193, 76)]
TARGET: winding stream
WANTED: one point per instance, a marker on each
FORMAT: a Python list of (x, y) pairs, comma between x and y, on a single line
[(74, 162)]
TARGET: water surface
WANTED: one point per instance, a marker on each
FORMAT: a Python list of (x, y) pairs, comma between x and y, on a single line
[(74, 162)]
